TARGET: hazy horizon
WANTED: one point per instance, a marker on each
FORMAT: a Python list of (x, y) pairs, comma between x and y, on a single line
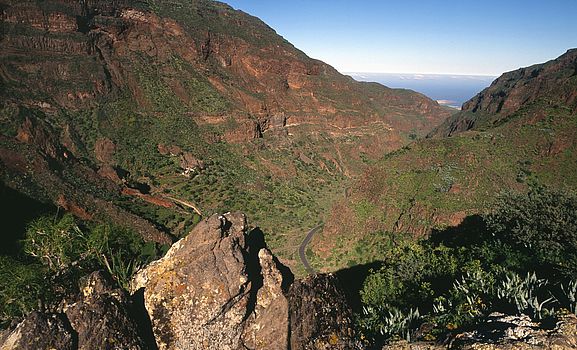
[(448, 89), (430, 74)]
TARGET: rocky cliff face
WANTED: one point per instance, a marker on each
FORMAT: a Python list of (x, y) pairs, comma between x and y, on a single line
[(552, 83), (212, 59)]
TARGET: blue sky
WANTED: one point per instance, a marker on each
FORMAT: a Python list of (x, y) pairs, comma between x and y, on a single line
[(484, 37)]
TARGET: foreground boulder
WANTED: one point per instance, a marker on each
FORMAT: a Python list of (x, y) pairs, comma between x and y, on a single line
[(320, 317), (220, 288), (39, 331), (99, 319)]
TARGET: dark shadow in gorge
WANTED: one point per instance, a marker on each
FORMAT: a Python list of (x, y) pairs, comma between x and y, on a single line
[(352, 279), (18, 210), (471, 231)]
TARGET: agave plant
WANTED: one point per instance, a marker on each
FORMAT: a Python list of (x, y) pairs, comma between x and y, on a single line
[(442, 305), (570, 294), (522, 292), (475, 281), (391, 322), (399, 323)]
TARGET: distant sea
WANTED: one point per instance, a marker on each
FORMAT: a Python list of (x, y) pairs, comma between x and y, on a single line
[(449, 90)]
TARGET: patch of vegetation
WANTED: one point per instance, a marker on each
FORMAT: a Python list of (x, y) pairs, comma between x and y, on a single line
[(433, 182), (22, 287), (57, 252), (518, 259)]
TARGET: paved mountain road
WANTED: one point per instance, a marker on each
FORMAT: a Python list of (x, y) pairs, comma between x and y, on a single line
[(303, 247)]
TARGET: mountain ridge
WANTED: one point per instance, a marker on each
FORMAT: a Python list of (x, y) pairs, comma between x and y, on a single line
[(553, 80), (122, 105)]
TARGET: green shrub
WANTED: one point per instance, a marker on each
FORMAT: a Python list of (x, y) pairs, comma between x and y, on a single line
[(56, 243), (381, 288), (22, 287), (503, 263), (543, 222), (59, 243), (569, 296), (120, 251)]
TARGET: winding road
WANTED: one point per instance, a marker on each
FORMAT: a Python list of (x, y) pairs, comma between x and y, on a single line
[(303, 247)]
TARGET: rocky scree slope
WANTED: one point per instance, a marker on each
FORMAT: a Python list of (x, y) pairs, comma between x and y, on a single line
[(525, 134), (111, 108)]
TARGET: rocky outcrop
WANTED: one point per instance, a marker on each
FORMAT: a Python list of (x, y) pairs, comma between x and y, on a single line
[(99, 319), (556, 80), (38, 134), (320, 317), (104, 150), (200, 292), (220, 288), (503, 332), (553, 83), (40, 331)]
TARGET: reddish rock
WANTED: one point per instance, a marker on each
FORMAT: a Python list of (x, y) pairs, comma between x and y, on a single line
[(108, 172), (552, 83), (34, 132), (72, 207), (147, 198), (171, 150), (188, 162), (104, 150)]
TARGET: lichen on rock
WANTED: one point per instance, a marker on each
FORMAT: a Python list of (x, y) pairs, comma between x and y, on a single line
[(221, 288), (202, 293)]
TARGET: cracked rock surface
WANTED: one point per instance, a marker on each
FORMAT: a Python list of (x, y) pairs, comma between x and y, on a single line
[(208, 291), (221, 288)]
